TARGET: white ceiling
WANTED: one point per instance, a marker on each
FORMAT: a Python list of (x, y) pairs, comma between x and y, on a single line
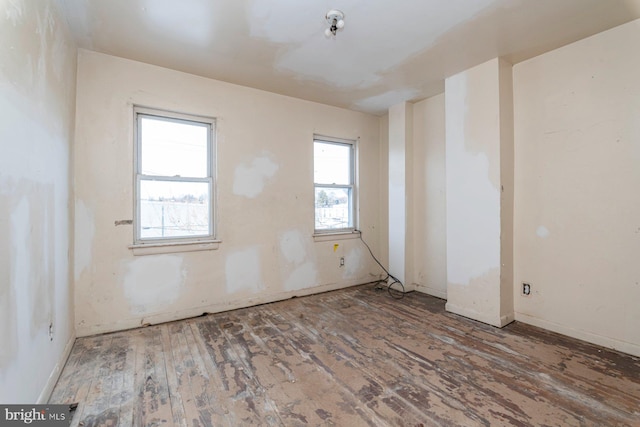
[(388, 52)]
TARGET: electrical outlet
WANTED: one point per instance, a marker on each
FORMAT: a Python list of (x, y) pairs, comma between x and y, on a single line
[(526, 289), (341, 261)]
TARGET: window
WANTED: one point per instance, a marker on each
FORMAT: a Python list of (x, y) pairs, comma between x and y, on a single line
[(174, 177), (334, 181)]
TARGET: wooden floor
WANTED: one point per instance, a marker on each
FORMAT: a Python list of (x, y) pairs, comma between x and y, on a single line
[(347, 358)]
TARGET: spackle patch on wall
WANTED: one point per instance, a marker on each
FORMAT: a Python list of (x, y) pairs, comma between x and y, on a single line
[(295, 252), (21, 259), (354, 263), (473, 199), (249, 179), (304, 276), (243, 271), (542, 232), (473, 256), (153, 282), (13, 11), (8, 305), (85, 230), (59, 53), (292, 246)]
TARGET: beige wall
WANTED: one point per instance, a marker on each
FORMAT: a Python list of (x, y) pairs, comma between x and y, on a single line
[(37, 97), (267, 250), (477, 146), (577, 198), (429, 197), (383, 170), (400, 187)]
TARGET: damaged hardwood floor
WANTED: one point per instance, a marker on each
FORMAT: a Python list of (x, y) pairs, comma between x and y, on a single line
[(353, 357)]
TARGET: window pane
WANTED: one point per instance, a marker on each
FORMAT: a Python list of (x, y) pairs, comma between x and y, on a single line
[(173, 148), (333, 206), (174, 209), (332, 163)]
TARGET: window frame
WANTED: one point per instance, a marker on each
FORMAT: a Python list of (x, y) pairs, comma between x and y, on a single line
[(171, 116), (352, 186)]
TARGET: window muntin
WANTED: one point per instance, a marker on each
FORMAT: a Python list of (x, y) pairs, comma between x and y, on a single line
[(174, 177), (334, 182)]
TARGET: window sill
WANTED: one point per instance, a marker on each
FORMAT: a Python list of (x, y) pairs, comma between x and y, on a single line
[(174, 247), (341, 235)]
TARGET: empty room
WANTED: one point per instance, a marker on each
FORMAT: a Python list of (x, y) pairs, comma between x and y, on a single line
[(349, 213)]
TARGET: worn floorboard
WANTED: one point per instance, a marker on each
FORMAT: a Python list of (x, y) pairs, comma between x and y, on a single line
[(354, 357)]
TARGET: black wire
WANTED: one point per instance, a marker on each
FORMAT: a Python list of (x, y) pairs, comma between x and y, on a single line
[(389, 275)]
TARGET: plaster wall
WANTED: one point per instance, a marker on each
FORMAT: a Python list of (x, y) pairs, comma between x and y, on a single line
[(429, 197), (267, 251), (400, 187), (505, 76), (577, 204), (474, 166), (37, 99), (383, 171)]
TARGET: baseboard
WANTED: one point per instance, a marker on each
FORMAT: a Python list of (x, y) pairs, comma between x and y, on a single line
[(497, 321), (506, 319), (57, 370), (614, 344), (425, 289), (154, 319)]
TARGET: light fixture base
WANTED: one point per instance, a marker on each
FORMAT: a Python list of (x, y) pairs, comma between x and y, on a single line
[(334, 14), (335, 19)]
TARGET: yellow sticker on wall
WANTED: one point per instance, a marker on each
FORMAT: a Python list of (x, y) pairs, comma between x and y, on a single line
[(335, 247)]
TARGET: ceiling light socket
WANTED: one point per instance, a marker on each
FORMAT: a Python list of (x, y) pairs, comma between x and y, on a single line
[(335, 19), (336, 15)]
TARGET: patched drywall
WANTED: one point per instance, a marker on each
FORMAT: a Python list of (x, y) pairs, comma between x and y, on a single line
[(399, 186), (153, 283), (473, 196), (479, 183), (83, 245), (293, 246), (477, 298), (243, 271), (298, 266), (250, 178), (383, 166), (380, 102), (37, 100), (429, 197), (384, 51), (32, 252), (8, 305), (577, 204), (355, 262), (303, 56), (303, 276), (542, 232), (264, 198)]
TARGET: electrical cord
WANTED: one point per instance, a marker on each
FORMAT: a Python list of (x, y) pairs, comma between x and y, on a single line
[(395, 293)]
